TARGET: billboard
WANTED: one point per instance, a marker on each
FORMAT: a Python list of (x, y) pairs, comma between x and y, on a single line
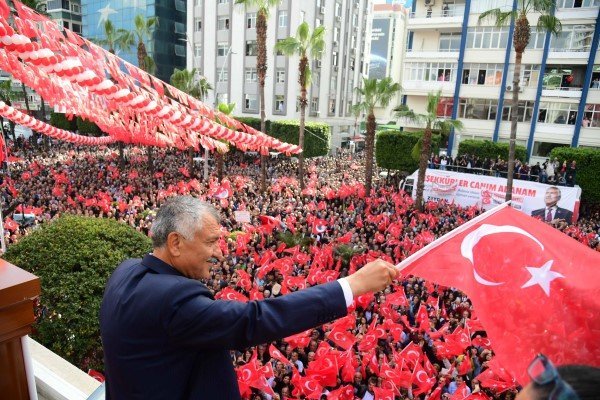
[(380, 36), (486, 192)]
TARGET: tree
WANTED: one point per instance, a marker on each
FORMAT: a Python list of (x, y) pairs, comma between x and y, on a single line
[(262, 16), (308, 46), (142, 33), (226, 109), (547, 22), (431, 121), (374, 93), (196, 86), (73, 274)]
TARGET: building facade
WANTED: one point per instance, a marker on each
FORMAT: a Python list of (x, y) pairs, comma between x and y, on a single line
[(221, 40), (472, 63), (388, 45), (167, 47), (66, 13)]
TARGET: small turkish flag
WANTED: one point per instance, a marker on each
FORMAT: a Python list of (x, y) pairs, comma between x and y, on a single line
[(383, 394), (546, 282)]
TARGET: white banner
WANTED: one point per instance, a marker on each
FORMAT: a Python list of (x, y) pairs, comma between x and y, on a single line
[(486, 192), (242, 216)]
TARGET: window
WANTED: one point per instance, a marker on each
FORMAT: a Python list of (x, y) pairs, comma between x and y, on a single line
[(479, 6), (66, 24), (334, 58), (196, 2), (282, 19), (76, 28), (573, 38), (280, 103), (445, 72), (222, 49), (338, 9), (223, 98), (483, 74), (76, 8), (223, 23), (251, 21), (197, 50), (536, 39), (223, 75), (577, 3), (179, 50), (530, 74), (251, 75), (525, 111), (280, 73), (557, 113), (487, 38), (484, 109), (331, 106), (449, 42), (314, 104), (251, 49), (251, 102), (197, 24), (336, 33), (180, 5), (223, 1), (279, 52), (179, 28), (591, 116)]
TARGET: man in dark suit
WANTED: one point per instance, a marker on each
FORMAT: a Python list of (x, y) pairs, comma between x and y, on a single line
[(552, 211), (166, 337)]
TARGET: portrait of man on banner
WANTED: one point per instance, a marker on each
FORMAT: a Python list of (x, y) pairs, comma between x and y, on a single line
[(552, 211)]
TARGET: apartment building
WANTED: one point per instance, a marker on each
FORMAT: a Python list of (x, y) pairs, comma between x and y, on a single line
[(221, 38), (472, 63)]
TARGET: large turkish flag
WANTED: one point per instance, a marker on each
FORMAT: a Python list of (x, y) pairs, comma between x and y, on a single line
[(534, 288)]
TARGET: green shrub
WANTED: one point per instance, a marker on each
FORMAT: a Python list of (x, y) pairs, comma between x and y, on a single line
[(73, 257), (588, 165), (88, 128), (60, 121), (317, 136), (394, 149), (489, 149), (254, 122)]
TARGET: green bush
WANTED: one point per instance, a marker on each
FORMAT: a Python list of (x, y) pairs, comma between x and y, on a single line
[(489, 149), (254, 122), (588, 165), (73, 257), (88, 128), (317, 136), (393, 149), (60, 121)]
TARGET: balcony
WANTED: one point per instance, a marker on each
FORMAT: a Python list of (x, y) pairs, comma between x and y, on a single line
[(437, 18), (432, 55), (579, 56), (562, 92)]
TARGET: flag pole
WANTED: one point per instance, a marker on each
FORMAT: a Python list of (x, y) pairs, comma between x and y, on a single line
[(441, 240)]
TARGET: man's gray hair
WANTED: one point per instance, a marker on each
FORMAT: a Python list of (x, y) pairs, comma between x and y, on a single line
[(181, 214)]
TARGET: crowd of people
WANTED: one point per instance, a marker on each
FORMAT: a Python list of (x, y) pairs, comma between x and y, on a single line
[(414, 340), (550, 171)]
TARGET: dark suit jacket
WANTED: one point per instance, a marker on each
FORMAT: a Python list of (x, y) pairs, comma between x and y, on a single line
[(165, 337), (561, 213)]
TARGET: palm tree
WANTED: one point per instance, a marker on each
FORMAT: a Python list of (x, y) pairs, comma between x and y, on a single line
[(188, 82), (431, 121), (141, 34), (261, 67), (226, 109), (308, 47), (374, 93), (546, 21)]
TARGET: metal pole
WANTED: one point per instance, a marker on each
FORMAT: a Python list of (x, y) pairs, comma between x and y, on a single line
[(216, 106)]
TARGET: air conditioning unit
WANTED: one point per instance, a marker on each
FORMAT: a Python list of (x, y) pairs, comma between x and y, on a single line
[(322, 10), (335, 68), (429, 2), (318, 63), (335, 42)]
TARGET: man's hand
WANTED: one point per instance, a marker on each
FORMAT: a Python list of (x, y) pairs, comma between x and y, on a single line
[(373, 277)]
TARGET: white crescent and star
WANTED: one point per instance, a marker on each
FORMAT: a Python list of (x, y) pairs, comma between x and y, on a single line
[(419, 374), (541, 276)]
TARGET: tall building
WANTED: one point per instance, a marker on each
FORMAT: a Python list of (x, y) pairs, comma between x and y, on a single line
[(167, 47), (472, 63), (66, 13), (388, 44), (221, 42)]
